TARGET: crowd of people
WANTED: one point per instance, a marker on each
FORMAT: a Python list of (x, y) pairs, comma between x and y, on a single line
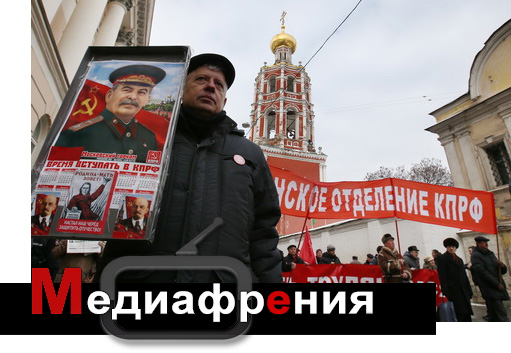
[(485, 269)]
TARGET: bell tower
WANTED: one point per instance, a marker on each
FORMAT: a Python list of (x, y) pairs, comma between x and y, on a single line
[(282, 116)]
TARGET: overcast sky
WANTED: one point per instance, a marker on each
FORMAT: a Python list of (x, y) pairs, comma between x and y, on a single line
[(375, 81)]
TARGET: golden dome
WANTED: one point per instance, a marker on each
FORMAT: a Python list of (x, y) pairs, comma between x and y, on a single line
[(283, 39)]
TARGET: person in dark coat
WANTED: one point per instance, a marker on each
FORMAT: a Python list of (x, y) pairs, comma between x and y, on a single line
[(329, 256), (319, 254), (289, 261), (412, 258), (488, 273), (435, 253), (214, 171), (369, 259), (375, 258), (41, 255), (454, 281)]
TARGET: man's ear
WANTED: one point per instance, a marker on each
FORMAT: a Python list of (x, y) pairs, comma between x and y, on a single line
[(108, 96)]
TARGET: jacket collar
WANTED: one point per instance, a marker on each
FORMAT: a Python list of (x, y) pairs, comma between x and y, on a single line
[(203, 131), (388, 250), (483, 251), (118, 127)]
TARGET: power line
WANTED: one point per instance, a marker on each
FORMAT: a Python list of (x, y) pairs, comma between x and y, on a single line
[(321, 47), (339, 26), (425, 98)]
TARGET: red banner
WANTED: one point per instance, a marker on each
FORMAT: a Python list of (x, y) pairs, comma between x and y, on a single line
[(386, 198), (354, 274)]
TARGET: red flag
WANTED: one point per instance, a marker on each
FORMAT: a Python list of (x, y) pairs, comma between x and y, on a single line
[(307, 253)]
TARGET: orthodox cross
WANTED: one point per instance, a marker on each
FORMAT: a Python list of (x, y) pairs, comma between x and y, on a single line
[(284, 13)]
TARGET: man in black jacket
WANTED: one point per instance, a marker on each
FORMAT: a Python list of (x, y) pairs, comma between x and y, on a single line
[(488, 273), (289, 261), (329, 256), (412, 258), (214, 172), (454, 281)]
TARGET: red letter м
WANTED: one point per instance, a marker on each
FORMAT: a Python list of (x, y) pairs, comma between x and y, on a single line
[(72, 278)]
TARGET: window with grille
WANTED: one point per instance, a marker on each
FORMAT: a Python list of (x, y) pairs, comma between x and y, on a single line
[(290, 84), (291, 124), (270, 129), (500, 163), (272, 82)]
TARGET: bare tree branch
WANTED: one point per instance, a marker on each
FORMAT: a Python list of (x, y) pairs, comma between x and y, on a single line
[(428, 170)]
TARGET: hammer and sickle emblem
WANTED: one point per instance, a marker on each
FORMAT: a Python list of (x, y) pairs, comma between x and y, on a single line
[(88, 109)]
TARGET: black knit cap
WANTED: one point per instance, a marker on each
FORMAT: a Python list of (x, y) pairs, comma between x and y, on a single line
[(216, 60)]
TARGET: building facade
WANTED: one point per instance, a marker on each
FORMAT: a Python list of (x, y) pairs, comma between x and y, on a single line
[(475, 132), (62, 30)]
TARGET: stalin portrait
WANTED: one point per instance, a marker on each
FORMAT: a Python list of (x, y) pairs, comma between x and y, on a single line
[(116, 129)]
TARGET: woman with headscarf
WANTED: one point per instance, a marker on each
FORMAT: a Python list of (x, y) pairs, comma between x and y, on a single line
[(429, 263)]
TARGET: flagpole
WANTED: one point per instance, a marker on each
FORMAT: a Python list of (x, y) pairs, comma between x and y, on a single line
[(397, 236), (301, 235), (397, 228), (305, 222), (303, 230)]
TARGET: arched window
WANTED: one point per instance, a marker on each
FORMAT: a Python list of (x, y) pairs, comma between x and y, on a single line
[(291, 124), (290, 84), (270, 125), (272, 84)]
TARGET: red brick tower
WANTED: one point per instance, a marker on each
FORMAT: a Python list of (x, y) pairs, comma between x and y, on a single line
[(282, 120)]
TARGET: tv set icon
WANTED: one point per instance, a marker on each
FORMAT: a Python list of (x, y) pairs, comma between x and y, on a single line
[(186, 258)]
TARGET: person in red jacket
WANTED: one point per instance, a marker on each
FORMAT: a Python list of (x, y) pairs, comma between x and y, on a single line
[(84, 199)]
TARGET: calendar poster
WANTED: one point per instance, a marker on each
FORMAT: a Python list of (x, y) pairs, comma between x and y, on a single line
[(109, 145)]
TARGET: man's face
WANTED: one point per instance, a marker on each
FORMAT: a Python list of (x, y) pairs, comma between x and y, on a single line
[(331, 252), (48, 204), (414, 253), (139, 209), (390, 244), (291, 251), (451, 249), (126, 100), (85, 189), (319, 253), (483, 244), (205, 91)]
